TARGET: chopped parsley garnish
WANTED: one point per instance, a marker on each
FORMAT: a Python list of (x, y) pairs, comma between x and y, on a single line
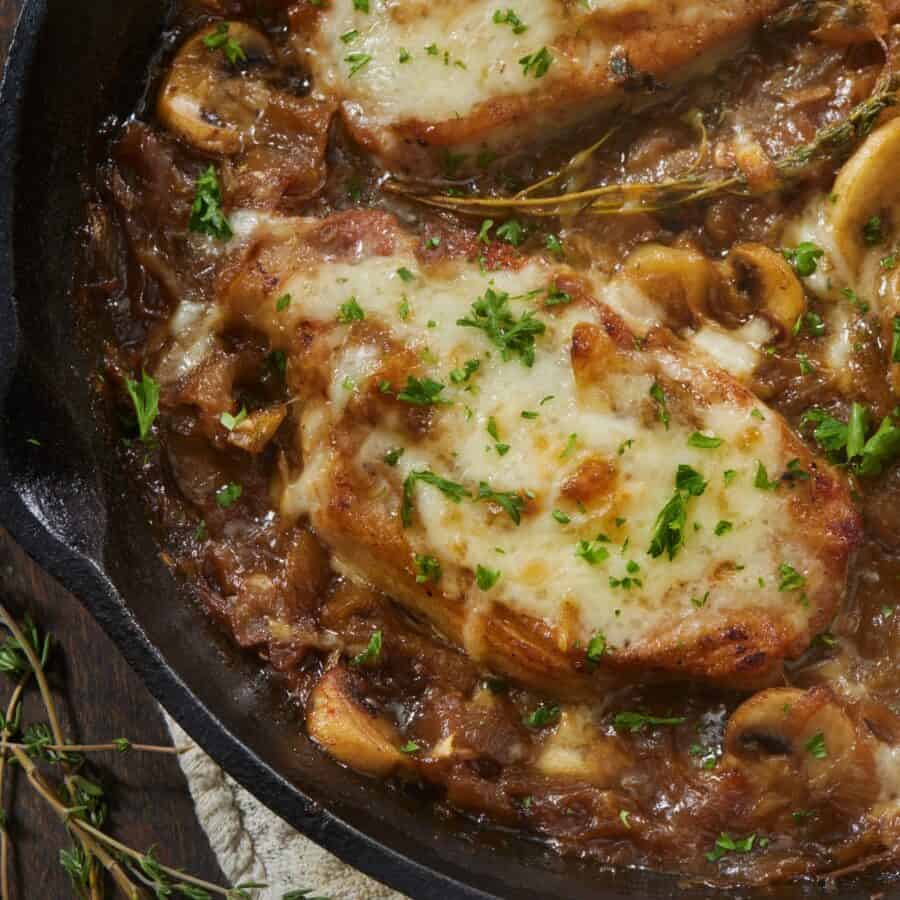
[(659, 397), (405, 274), (895, 340), (458, 376), (596, 647), (668, 530), (571, 441), (857, 425), (728, 476), (635, 721), (795, 472), (486, 578), (561, 517), (529, 414), (405, 55), (872, 233), (723, 526), (804, 258), (847, 443), (546, 714), (761, 479), (700, 602), (348, 37), (421, 391), (433, 242), (791, 579), (145, 399), (410, 747), (231, 422), (283, 302), (888, 262), (350, 311), (484, 236), (450, 489), (392, 457), (492, 314), (206, 211), (727, 844), (361, 5), (278, 361), (228, 495), (494, 432), (851, 295), (815, 746), (536, 63), (509, 501), (358, 61), (556, 297), (427, 569), (690, 480), (704, 441), (372, 654), (592, 552), (624, 816), (219, 40), (512, 232), (812, 322), (509, 17), (554, 245)]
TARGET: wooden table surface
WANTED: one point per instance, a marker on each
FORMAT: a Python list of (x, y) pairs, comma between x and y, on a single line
[(100, 698)]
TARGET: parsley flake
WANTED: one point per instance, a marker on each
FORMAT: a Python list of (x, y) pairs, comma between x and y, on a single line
[(145, 399), (372, 654), (491, 313), (207, 216)]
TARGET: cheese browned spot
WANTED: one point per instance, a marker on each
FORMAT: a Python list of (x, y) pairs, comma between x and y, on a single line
[(417, 75), (607, 428)]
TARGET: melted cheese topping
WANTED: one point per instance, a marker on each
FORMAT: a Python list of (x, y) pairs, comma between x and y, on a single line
[(566, 429), (430, 62)]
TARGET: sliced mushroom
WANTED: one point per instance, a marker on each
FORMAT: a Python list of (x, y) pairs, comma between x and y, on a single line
[(759, 281), (799, 749), (348, 730), (678, 280), (867, 186), (254, 433), (207, 99)]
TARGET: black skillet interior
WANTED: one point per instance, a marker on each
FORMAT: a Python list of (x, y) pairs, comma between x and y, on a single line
[(73, 65)]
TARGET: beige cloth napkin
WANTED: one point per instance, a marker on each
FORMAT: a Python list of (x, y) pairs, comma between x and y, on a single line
[(253, 844)]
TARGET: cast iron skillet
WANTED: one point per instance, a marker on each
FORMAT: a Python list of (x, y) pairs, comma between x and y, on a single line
[(72, 65)]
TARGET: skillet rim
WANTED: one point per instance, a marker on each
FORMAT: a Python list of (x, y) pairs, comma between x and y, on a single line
[(95, 591)]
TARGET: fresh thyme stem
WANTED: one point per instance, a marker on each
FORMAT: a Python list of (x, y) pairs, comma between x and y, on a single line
[(4, 837), (75, 825), (38, 670), (95, 748), (79, 826), (95, 887), (642, 197)]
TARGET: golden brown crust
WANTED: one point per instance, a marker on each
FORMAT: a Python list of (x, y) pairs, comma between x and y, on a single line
[(361, 523)]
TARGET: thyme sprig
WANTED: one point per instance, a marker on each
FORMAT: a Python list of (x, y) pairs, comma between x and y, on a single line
[(81, 804), (829, 142)]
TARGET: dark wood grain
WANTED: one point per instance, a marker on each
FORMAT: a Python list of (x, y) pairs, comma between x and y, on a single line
[(100, 698)]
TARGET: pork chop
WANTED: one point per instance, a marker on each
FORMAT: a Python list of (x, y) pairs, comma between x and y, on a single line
[(460, 83), (492, 446)]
